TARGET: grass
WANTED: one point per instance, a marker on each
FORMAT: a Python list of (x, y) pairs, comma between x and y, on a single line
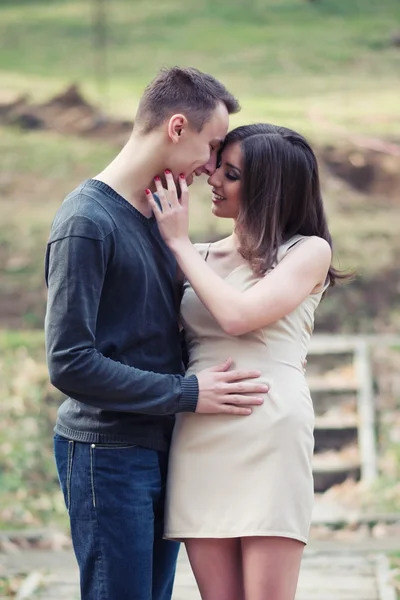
[(262, 37), (325, 67), (38, 170), (30, 496), (310, 65), (394, 558)]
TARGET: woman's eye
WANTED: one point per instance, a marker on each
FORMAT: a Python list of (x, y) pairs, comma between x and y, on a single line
[(231, 177)]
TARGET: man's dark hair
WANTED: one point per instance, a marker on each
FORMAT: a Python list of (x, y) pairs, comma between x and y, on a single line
[(187, 91)]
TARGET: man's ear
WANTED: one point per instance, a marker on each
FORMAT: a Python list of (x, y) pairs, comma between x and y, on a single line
[(176, 127)]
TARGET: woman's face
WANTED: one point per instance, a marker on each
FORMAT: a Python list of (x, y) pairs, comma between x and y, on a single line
[(226, 183)]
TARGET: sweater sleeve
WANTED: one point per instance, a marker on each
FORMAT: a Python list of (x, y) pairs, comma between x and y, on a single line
[(76, 264)]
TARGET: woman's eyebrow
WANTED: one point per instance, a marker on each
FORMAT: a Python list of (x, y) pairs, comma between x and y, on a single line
[(231, 166)]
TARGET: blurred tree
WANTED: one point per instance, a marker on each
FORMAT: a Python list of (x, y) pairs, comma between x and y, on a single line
[(100, 49)]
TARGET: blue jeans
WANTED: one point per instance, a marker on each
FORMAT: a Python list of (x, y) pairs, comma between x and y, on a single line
[(115, 499)]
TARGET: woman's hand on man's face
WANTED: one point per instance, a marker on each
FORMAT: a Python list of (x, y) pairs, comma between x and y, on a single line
[(171, 212)]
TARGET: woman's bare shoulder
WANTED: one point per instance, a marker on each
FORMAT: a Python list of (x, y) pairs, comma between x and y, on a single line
[(203, 247)]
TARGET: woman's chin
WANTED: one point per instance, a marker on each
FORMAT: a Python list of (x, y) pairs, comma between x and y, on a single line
[(215, 211), (218, 211)]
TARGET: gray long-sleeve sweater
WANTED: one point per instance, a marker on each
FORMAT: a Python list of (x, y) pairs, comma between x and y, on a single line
[(112, 334)]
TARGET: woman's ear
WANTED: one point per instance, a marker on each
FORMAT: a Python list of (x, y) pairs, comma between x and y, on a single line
[(176, 127)]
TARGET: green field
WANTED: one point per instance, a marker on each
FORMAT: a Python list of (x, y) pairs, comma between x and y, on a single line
[(326, 67), (312, 65)]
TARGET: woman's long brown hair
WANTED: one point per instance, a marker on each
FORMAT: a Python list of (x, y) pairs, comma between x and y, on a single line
[(280, 194)]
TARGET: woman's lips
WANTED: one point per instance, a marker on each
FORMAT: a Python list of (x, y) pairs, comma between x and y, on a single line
[(217, 199)]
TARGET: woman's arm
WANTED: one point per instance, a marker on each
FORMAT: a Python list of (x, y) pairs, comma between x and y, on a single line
[(180, 281), (273, 297)]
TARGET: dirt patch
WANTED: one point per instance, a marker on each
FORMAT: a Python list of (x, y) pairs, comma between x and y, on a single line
[(368, 305), (68, 113), (21, 309), (369, 171)]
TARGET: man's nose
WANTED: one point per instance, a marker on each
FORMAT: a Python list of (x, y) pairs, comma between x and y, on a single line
[(211, 166), (214, 179)]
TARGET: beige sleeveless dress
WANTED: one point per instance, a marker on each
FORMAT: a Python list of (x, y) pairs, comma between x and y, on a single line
[(233, 476)]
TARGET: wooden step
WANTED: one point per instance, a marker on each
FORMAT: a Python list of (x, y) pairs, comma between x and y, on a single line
[(345, 518), (326, 385), (329, 424), (348, 344), (328, 473), (340, 466), (334, 440), (336, 384)]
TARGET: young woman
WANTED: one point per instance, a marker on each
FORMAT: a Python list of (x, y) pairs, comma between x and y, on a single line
[(240, 492)]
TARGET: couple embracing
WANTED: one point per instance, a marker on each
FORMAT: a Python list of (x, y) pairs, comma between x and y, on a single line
[(214, 451)]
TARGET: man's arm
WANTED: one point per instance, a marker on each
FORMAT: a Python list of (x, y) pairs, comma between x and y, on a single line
[(75, 272)]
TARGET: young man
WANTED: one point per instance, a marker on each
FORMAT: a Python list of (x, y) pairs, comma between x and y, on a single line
[(113, 343)]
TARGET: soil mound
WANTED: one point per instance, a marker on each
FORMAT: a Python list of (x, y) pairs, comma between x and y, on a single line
[(68, 113)]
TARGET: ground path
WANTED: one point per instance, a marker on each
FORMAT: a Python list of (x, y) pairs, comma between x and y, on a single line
[(329, 572)]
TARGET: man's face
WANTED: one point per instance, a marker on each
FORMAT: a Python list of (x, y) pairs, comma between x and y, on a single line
[(196, 152)]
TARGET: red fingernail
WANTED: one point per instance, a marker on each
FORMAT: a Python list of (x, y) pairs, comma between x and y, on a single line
[(182, 176), (157, 178), (147, 191), (167, 172)]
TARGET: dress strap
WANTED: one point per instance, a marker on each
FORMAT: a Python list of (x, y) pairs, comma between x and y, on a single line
[(284, 248)]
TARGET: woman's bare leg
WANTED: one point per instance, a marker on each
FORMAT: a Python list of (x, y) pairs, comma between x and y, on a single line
[(271, 567), (217, 567)]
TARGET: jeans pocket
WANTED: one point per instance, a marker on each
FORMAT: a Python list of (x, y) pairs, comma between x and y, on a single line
[(111, 462)]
